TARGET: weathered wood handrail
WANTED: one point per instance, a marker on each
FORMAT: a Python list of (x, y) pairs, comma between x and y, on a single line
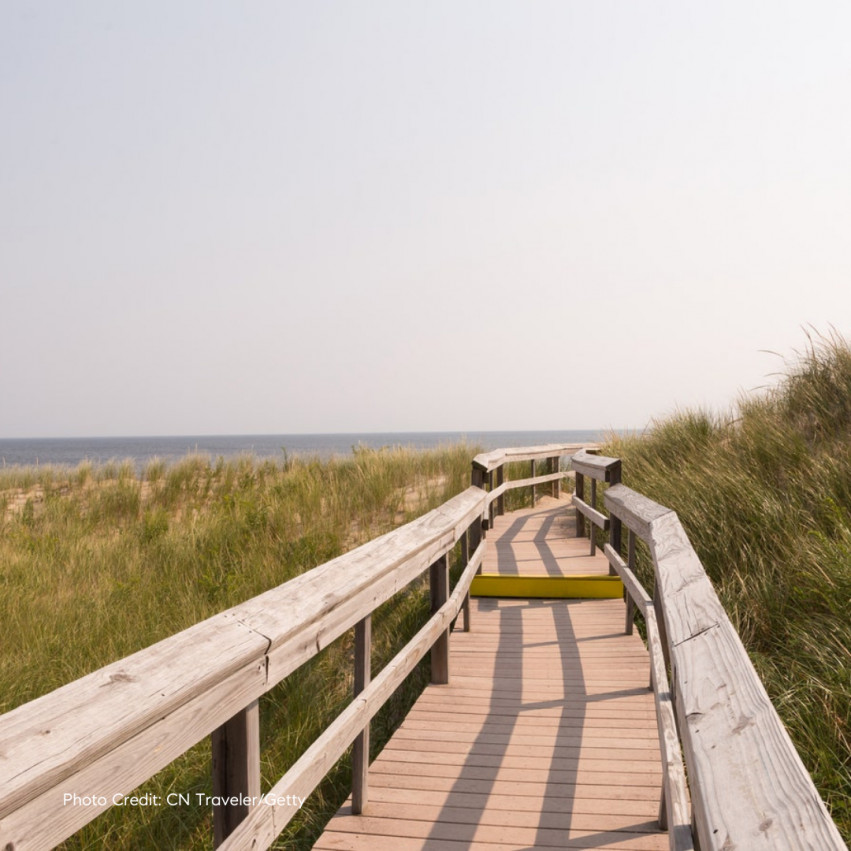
[(597, 468), (749, 788), (489, 470), (102, 735)]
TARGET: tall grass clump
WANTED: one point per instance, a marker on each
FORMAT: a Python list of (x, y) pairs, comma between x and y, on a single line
[(97, 563), (764, 493)]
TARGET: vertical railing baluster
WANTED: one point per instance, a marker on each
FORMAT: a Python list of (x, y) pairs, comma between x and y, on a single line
[(593, 504), (236, 769), (478, 478), (533, 484), (500, 500), (360, 751), (663, 634), (613, 477), (556, 486), (439, 587), (465, 560), (580, 494), (630, 603), (475, 534)]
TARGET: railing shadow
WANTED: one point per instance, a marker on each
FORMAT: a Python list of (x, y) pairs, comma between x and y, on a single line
[(538, 699), (541, 551), (503, 712), (568, 776)]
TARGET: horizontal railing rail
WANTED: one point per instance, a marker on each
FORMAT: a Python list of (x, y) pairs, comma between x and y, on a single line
[(747, 784), (101, 736), (597, 468), (489, 472)]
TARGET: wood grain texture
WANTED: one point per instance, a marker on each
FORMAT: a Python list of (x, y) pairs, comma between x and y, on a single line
[(635, 511), (236, 769), (597, 467), (43, 821), (51, 738), (487, 461)]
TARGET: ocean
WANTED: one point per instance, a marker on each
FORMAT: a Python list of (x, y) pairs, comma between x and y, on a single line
[(70, 451)]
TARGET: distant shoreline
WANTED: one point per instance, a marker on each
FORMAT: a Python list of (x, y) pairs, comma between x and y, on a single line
[(71, 451)]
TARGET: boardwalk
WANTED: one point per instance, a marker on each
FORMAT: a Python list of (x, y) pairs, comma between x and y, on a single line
[(546, 735), (545, 738)]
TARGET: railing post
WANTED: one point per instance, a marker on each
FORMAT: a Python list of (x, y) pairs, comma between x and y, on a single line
[(580, 494), (492, 507), (500, 500), (475, 534), (477, 480), (554, 465), (613, 478), (593, 504), (236, 769), (439, 586), (663, 634), (630, 603), (533, 486), (477, 529), (465, 560), (360, 751)]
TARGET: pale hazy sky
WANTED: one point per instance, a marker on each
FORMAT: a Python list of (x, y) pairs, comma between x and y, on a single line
[(383, 216)]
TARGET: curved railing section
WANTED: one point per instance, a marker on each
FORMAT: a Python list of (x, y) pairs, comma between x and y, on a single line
[(747, 784), (489, 472)]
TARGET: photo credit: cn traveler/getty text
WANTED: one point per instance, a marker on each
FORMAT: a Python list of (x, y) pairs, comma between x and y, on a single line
[(178, 799)]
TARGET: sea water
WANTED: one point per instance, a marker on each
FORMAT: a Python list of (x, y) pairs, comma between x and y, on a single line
[(73, 450)]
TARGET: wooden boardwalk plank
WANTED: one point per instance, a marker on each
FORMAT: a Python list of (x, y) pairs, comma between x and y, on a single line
[(544, 738)]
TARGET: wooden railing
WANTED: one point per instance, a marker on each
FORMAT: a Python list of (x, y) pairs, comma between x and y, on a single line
[(747, 784), (96, 739), (489, 470), (597, 469)]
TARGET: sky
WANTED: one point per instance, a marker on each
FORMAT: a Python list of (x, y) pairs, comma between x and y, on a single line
[(298, 217)]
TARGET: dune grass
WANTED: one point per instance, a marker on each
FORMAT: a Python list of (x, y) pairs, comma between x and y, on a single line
[(96, 563), (764, 493)]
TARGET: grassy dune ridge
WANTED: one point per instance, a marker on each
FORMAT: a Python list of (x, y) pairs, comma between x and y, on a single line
[(764, 493), (98, 562)]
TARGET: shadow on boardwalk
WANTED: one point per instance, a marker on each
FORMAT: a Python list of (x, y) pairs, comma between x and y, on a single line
[(545, 736)]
